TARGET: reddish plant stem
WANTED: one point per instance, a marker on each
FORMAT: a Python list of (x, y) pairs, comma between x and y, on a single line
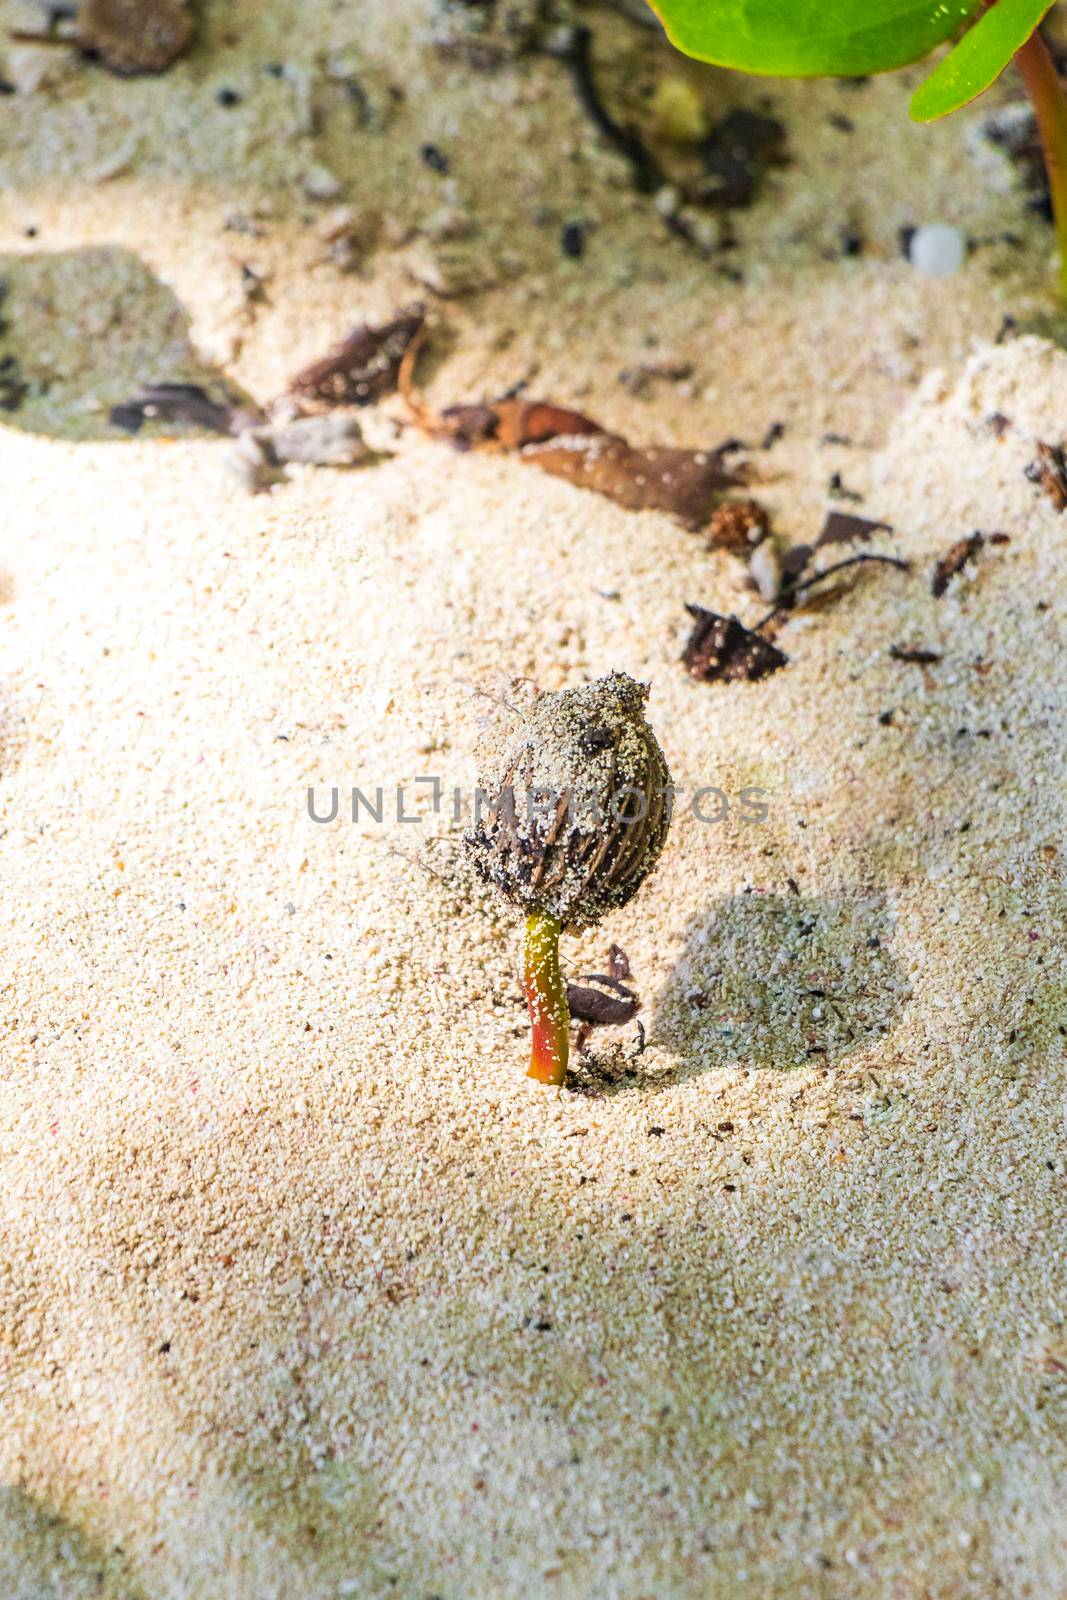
[(546, 997), (1046, 96)]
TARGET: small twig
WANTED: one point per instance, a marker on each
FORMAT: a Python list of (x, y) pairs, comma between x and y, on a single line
[(32, 36), (648, 175), (1046, 96), (405, 375), (790, 594)]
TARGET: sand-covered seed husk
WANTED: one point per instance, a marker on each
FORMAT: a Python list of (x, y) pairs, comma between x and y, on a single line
[(131, 36), (576, 804)]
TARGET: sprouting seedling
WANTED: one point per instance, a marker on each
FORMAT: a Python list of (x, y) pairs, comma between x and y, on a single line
[(577, 812), (851, 38)]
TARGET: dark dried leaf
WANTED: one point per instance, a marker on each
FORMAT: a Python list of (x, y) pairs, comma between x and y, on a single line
[(914, 654), (721, 649), (364, 366), (953, 561), (842, 527), (178, 402), (1049, 471), (611, 1003)]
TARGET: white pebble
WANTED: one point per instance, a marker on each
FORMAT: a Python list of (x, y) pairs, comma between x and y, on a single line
[(322, 184), (937, 251)]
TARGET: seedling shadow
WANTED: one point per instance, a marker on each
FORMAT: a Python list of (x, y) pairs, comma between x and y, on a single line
[(82, 331), (776, 981), (45, 1555)]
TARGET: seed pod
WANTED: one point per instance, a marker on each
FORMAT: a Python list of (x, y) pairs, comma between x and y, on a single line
[(133, 36), (570, 822)]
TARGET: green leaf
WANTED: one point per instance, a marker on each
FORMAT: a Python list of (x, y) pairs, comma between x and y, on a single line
[(979, 58), (811, 38)]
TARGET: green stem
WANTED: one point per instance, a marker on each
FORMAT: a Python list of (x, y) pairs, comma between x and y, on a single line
[(1046, 96), (546, 997)]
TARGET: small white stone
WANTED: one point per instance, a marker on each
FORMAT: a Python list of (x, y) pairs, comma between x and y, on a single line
[(765, 570), (322, 184), (936, 250)]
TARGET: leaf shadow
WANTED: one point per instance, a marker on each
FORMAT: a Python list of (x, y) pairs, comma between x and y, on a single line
[(82, 331)]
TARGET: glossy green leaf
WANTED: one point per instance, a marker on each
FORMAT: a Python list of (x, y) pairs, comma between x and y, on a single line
[(979, 58), (811, 38)]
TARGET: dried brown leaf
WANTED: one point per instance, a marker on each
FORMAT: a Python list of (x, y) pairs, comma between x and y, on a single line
[(610, 1003), (1049, 471), (365, 366), (953, 561)]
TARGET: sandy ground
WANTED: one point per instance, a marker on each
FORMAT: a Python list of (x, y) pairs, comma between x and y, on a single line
[(304, 1288)]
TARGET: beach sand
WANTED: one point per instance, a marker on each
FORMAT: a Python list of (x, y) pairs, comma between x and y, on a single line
[(305, 1289)]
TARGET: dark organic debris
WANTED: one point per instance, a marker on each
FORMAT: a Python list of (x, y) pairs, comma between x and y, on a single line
[(797, 585), (915, 654), (737, 153), (602, 999), (840, 490), (1049, 471), (738, 525), (1013, 129), (179, 402), (365, 366), (597, 1073), (684, 483), (722, 649), (637, 380), (953, 561), (13, 387), (842, 527), (486, 33)]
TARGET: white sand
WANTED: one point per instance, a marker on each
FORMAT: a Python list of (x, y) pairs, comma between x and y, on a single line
[(280, 1214)]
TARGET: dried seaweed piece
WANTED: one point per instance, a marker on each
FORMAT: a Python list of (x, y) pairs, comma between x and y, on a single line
[(953, 561), (364, 366), (1049, 471), (132, 36), (738, 525), (178, 402), (611, 1004), (722, 650), (737, 153), (915, 654), (844, 527)]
